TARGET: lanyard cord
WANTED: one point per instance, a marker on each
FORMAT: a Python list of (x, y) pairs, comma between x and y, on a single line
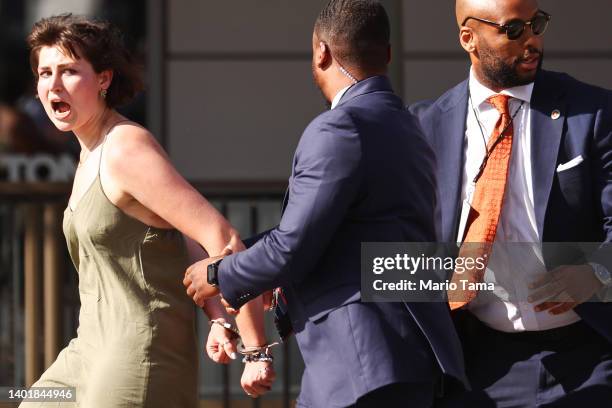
[(483, 165)]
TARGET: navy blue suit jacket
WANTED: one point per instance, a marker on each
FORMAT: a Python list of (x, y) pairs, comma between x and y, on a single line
[(570, 206), (362, 172)]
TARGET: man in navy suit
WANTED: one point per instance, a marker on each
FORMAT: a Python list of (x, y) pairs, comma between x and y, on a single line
[(362, 172), (548, 343)]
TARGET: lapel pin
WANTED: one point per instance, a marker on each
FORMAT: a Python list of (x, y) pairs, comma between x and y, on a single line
[(556, 114)]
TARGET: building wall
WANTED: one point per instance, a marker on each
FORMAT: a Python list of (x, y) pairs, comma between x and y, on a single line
[(238, 85)]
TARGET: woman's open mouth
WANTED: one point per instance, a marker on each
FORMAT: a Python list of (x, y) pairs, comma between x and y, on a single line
[(61, 109)]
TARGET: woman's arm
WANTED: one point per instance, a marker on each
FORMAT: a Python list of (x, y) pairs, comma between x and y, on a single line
[(139, 169)]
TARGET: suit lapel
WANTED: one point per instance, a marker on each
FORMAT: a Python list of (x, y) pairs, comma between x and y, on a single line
[(450, 141), (546, 135)]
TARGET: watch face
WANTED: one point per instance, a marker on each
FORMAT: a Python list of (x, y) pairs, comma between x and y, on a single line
[(212, 276), (604, 276)]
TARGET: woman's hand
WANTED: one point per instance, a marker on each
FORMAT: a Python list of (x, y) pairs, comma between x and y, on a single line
[(221, 344), (257, 378), (235, 244)]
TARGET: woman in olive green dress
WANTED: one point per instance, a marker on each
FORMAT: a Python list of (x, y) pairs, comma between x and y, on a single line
[(136, 343)]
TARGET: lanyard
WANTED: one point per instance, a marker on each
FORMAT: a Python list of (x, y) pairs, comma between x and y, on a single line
[(483, 165)]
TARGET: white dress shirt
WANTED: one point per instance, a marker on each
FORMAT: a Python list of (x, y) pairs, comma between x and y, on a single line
[(511, 267), (339, 96)]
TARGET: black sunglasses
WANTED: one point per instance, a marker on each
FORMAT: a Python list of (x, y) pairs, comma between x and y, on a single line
[(514, 28)]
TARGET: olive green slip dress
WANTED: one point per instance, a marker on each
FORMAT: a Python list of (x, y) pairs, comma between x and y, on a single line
[(136, 341)]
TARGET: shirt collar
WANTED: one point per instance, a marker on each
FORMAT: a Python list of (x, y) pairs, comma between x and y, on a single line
[(339, 96), (481, 93)]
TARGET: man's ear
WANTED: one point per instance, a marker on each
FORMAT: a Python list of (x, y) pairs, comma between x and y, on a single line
[(324, 56), (467, 39)]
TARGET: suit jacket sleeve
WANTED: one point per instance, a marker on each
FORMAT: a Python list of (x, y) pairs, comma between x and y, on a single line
[(250, 241), (326, 178)]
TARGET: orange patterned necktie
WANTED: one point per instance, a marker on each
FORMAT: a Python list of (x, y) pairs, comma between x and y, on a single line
[(483, 218)]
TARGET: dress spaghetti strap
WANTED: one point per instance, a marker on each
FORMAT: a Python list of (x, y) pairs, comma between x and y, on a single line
[(104, 141)]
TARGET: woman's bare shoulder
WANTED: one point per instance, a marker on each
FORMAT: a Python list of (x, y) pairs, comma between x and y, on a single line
[(129, 143), (130, 138)]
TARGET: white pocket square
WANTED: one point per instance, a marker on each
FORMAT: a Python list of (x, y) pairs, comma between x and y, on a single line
[(572, 163)]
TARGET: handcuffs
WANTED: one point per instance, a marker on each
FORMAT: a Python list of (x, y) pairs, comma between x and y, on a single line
[(251, 354)]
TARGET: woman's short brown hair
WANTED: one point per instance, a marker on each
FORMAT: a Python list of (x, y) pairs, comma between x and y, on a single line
[(100, 43)]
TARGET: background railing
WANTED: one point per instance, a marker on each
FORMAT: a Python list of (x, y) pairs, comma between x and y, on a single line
[(39, 288)]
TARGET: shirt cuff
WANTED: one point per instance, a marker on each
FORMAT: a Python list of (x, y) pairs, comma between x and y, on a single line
[(230, 285)]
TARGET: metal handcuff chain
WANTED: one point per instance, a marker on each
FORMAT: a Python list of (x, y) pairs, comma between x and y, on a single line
[(250, 354)]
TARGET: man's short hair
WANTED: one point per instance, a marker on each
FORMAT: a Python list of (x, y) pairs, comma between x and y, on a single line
[(357, 32)]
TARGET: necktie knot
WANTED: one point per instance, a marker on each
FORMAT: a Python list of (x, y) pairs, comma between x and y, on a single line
[(500, 102)]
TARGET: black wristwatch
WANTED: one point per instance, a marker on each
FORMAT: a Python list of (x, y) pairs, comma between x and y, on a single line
[(213, 273)]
